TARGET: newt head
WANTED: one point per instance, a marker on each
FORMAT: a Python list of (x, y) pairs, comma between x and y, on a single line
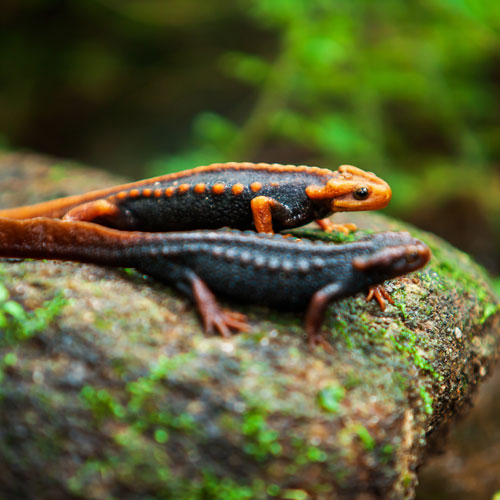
[(352, 189), (398, 254)]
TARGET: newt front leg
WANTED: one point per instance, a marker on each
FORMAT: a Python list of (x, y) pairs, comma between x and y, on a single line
[(328, 226), (212, 314)]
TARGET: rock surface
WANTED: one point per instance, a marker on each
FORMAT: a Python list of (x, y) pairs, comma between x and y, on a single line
[(110, 389)]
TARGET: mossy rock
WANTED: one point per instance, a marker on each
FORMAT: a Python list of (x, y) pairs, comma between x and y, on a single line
[(110, 389)]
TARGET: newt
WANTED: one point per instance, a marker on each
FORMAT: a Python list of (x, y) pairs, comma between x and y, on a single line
[(265, 197), (281, 272)]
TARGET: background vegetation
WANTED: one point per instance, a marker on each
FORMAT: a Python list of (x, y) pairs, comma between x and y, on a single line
[(410, 90)]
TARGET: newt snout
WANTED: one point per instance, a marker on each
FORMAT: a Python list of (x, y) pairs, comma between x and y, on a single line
[(402, 257), (358, 190)]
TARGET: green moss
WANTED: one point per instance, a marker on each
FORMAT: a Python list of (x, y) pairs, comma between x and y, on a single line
[(489, 310), (57, 173), (340, 326), (304, 453), (330, 397), (387, 453), (405, 341), (18, 325), (448, 263), (333, 237), (315, 454), (406, 480), (294, 495), (426, 400), (101, 403), (146, 408), (261, 440), (206, 486), (161, 436), (215, 488), (10, 359), (130, 271), (273, 490), (365, 437)]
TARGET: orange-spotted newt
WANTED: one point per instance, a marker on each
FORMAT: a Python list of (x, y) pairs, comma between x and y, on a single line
[(268, 198), (255, 268)]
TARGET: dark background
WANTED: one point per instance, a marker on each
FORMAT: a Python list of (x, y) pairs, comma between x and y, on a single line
[(409, 90)]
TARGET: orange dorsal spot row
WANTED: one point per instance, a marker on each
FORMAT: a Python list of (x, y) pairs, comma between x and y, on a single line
[(255, 186), (200, 188), (237, 189), (223, 168), (218, 188)]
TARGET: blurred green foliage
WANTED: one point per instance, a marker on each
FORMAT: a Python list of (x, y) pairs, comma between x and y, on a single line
[(402, 88), (410, 90)]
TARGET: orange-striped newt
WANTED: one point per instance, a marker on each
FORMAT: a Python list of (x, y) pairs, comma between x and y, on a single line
[(265, 197), (254, 268)]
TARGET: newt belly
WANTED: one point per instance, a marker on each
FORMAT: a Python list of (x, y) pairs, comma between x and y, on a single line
[(281, 272), (263, 197)]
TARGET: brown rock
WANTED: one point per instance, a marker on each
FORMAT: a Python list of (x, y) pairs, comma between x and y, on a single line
[(110, 389)]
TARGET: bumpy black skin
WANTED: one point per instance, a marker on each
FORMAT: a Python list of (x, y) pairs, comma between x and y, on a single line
[(144, 205), (247, 267), (270, 270), (191, 210)]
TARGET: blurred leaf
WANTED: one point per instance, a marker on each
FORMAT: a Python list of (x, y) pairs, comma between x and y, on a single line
[(245, 67), (214, 129)]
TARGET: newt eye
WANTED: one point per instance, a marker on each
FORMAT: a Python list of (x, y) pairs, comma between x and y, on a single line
[(411, 257), (361, 193)]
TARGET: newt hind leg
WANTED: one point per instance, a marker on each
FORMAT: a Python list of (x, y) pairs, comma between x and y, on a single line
[(316, 313), (214, 316), (102, 211), (380, 294)]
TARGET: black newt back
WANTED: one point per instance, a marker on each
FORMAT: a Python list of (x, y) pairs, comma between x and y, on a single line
[(281, 272), (213, 199)]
